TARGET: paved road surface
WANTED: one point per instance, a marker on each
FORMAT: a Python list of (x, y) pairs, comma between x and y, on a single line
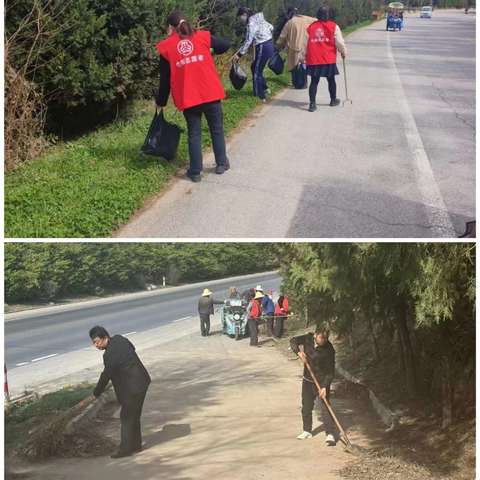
[(399, 162), (43, 347)]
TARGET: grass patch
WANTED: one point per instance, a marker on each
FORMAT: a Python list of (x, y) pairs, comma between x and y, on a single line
[(91, 186), (22, 419)]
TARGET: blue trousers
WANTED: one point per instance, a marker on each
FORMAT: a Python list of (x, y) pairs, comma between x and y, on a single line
[(263, 52)]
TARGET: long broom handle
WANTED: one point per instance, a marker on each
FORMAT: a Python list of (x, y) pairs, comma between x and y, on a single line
[(345, 78), (335, 419)]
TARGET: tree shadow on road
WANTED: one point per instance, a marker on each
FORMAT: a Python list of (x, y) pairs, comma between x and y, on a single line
[(171, 431), (285, 102), (335, 207)]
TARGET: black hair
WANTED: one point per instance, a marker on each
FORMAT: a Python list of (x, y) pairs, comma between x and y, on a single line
[(291, 12), (99, 332), (243, 11), (177, 20), (280, 300), (322, 330), (323, 13)]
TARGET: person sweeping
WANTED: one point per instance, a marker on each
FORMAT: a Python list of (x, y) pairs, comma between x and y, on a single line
[(324, 39), (320, 354), (187, 70), (130, 381)]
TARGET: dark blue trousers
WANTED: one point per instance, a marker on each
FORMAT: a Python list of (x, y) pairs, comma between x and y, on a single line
[(214, 115), (263, 52)]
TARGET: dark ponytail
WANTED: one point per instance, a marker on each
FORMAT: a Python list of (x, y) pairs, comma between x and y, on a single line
[(181, 26)]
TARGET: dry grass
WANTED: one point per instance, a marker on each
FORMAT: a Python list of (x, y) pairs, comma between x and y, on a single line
[(36, 429), (52, 441), (384, 468), (24, 120)]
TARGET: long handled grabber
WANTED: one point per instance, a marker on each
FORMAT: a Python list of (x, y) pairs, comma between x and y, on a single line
[(345, 81), (343, 435)]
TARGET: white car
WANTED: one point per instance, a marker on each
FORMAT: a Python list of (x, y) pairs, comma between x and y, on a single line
[(426, 12)]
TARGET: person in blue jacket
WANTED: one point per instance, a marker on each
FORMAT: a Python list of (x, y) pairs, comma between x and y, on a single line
[(268, 308)]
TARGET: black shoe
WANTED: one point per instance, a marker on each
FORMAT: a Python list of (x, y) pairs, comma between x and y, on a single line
[(120, 454), (219, 169), (137, 450), (335, 102), (312, 107), (194, 178)]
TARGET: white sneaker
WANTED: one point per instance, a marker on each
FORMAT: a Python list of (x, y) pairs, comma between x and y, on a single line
[(330, 441), (305, 435)]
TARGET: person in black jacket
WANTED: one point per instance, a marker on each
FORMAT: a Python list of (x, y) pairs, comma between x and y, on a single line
[(320, 354), (130, 381), (205, 309)]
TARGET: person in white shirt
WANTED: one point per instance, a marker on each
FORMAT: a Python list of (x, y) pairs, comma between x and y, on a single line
[(259, 32)]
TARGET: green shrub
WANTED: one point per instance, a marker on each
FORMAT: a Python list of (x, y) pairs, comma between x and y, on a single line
[(96, 55)]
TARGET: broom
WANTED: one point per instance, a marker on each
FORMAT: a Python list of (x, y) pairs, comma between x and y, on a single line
[(343, 436), (69, 433)]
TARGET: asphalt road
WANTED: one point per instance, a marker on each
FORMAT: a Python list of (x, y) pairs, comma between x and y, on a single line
[(41, 337), (398, 162)]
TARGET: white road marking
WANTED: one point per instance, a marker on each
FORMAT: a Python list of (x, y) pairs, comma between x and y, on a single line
[(181, 319), (22, 364), (435, 208), (43, 358), (129, 333)]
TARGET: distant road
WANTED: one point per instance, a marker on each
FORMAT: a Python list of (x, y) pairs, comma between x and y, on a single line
[(41, 336)]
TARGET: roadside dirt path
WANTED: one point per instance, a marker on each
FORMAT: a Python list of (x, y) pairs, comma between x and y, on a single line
[(218, 408)]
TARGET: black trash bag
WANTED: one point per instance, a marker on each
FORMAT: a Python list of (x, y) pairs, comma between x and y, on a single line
[(162, 138), (299, 76), (237, 76), (276, 63)]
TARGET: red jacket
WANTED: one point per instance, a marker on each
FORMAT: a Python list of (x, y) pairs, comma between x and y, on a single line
[(321, 48), (194, 79)]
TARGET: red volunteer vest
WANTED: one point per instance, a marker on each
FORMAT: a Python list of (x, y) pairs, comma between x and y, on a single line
[(279, 311), (193, 77), (255, 311), (285, 304), (321, 48)]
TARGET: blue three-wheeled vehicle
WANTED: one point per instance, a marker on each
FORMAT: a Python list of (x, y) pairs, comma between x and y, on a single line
[(395, 16)]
